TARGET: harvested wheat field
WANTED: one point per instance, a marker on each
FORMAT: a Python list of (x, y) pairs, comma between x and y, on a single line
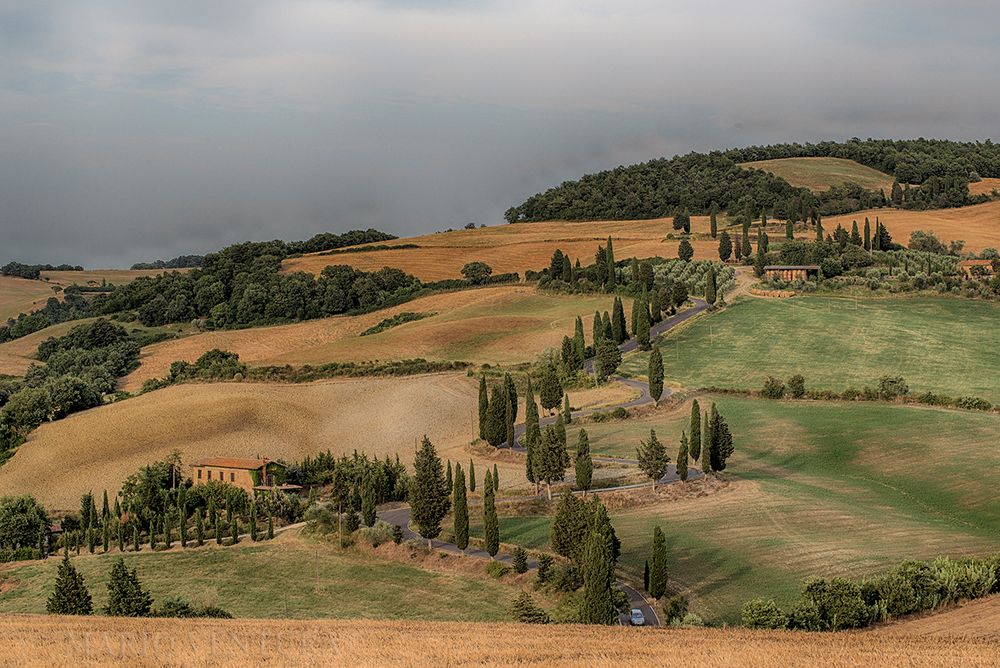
[(20, 295), (94, 277), (972, 619), (509, 248), (503, 325), (984, 187), (978, 226), (97, 449), (47, 640)]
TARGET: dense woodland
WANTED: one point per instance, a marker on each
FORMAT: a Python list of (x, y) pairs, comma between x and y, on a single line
[(929, 174)]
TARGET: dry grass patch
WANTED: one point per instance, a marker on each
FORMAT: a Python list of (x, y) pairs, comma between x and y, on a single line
[(46, 641), (820, 174), (511, 248), (20, 295), (97, 449), (984, 187), (972, 619), (503, 325)]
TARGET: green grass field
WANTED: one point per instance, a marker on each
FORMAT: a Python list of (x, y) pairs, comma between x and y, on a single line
[(291, 577), (821, 488), (819, 174), (938, 344)]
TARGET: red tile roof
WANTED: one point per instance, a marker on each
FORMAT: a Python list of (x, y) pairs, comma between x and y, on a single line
[(231, 463)]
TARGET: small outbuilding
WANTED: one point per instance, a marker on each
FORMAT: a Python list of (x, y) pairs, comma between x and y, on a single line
[(791, 272)]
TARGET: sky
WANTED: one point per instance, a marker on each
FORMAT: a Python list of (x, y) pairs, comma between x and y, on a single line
[(131, 131)]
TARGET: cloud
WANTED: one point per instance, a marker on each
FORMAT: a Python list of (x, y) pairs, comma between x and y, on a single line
[(139, 130)]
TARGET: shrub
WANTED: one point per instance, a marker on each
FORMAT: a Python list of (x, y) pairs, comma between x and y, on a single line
[(973, 404), (773, 388), (797, 386), (178, 607), (520, 562), (544, 573), (838, 602), (497, 569), (804, 616), (524, 610), (762, 613), (381, 532), (851, 394), (674, 609), (397, 534), (619, 413), (567, 578), (891, 387)]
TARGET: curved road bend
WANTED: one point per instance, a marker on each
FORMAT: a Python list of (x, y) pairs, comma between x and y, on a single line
[(401, 517)]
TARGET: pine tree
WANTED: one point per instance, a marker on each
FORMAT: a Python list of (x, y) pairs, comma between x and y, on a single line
[(520, 560), (484, 407), (684, 251), (126, 597), (368, 515), (461, 509), (710, 286), (655, 374), (609, 254), (429, 497), (567, 411), (682, 458), (713, 213), (868, 234), (584, 463), (472, 475), (524, 611), (598, 570), (199, 528), (491, 525), (695, 443), (70, 596), (725, 246), (722, 441), (653, 458), (658, 565), (496, 479), (789, 229), (619, 333), (253, 522)]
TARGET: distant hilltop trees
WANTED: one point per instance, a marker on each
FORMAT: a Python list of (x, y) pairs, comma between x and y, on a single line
[(179, 262), (929, 174), (33, 271)]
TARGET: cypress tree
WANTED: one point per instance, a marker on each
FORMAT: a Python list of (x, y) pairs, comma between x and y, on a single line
[(167, 538), (472, 475), (118, 509), (609, 254), (789, 229), (429, 497), (121, 535), (713, 223), (461, 509), (550, 392), (737, 249), (368, 515), (722, 441), (91, 539), (608, 327), (511, 391), (218, 533), (763, 218), (270, 526), (746, 242), (598, 327), (107, 537), (570, 527), (706, 446), (658, 565), (579, 343), (641, 328), (710, 286), (253, 522), (199, 528), (868, 234), (653, 458), (567, 412), (819, 228), (234, 531), (70, 596), (725, 247), (447, 476), (509, 430), (551, 458), (135, 539), (126, 597), (496, 417), (855, 235), (619, 333), (520, 560), (105, 509), (213, 515), (584, 463), (645, 577), (182, 528), (695, 443), (496, 479), (655, 374), (598, 606), (682, 458), (491, 525), (484, 407), (655, 307)]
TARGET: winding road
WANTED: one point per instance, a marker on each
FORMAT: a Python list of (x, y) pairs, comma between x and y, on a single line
[(401, 516)]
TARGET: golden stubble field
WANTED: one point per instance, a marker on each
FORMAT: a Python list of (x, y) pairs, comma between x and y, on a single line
[(508, 248), (975, 619), (96, 449), (51, 640), (506, 324)]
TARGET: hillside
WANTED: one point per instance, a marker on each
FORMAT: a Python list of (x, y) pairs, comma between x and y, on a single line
[(973, 619), (493, 325), (47, 640), (97, 449), (509, 248), (819, 174), (21, 295)]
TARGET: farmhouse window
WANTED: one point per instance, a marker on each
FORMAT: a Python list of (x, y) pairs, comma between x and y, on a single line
[(199, 474), (210, 475), (232, 477)]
